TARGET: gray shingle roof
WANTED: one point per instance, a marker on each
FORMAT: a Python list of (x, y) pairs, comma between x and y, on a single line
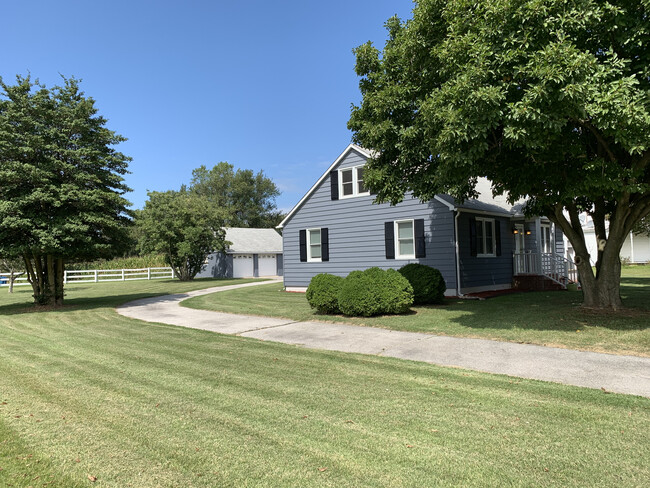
[(478, 206), (253, 241)]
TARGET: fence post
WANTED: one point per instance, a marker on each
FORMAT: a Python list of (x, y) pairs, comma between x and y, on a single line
[(122, 275), (148, 273), (65, 276), (173, 273), (95, 276)]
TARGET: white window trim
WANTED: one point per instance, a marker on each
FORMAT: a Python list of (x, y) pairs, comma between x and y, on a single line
[(309, 258), (355, 183), (396, 234), (482, 221)]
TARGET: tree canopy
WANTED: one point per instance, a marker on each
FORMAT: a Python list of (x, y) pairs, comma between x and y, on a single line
[(549, 99), (183, 226), (247, 199), (61, 182)]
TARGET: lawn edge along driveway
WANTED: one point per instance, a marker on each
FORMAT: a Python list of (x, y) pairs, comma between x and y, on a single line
[(615, 373)]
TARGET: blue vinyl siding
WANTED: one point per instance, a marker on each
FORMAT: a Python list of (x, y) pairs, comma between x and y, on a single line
[(357, 240), (484, 271), (356, 233)]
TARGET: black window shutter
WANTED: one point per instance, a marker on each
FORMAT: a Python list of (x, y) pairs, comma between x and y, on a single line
[(472, 236), (334, 181), (420, 245), (303, 246), (389, 231), (497, 236), (325, 244)]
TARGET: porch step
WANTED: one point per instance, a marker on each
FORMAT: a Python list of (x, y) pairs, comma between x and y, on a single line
[(536, 283)]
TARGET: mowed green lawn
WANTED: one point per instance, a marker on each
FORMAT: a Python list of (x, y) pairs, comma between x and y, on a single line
[(86, 394), (545, 318)]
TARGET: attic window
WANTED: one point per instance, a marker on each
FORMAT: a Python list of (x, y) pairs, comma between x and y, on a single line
[(351, 182)]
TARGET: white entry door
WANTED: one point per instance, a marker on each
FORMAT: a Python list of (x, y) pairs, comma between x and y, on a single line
[(267, 265), (242, 265), (520, 240)]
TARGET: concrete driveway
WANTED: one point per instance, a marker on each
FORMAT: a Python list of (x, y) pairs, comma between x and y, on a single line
[(613, 373)]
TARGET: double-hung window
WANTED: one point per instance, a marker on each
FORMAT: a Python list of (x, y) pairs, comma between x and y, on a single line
[(351, 182), (405, 239), (485, 237), (314, 245)]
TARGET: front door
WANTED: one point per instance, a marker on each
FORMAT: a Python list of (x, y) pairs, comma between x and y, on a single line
[(520, 244)]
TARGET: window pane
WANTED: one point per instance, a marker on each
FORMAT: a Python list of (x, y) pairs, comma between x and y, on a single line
[(347, 189), (360, 185), (489, 238), (314, 237), (406, 247), (480, 248), (315, 251), (346, 176), (405, 230)]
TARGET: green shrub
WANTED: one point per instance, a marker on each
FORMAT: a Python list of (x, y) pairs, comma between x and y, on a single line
[(427, 282), (375, 292), (323, 291)]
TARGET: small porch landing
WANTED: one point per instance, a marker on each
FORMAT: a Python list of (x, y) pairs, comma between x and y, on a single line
[(542, 271)]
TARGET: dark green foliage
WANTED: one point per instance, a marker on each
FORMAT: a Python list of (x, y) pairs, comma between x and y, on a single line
[(548, 99), (322, 293), (375, 292), (246, 198), (427, 282), (61, 182), (182, 226)]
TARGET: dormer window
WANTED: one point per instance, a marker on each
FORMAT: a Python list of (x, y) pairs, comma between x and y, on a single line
[(351, 182)]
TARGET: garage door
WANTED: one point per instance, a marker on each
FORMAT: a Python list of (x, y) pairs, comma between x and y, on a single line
[(242, 265), (267, 265)]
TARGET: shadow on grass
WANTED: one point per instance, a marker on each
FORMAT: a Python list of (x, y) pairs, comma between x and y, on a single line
[(74, 304), (111, 294), (635, 281), (553, 311)]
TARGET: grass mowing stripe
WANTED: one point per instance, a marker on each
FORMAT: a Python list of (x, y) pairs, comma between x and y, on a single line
[(265, 414)]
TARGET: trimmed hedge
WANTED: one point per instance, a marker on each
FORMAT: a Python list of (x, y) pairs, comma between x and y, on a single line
[(375, 292), (427, 282), (322, 292)]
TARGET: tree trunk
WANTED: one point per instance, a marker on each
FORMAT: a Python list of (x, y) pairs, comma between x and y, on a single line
[(603, 290), (45, 273)]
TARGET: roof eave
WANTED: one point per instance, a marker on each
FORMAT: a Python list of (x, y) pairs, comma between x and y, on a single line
[(350, 147)]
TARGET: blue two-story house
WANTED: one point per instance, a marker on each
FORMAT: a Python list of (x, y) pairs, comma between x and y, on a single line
[(478, 245)]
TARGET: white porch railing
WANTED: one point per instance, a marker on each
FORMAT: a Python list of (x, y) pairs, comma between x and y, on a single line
[(551, 265), (100, 275)]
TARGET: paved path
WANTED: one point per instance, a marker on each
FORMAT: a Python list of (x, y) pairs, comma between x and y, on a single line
[(621, 374)]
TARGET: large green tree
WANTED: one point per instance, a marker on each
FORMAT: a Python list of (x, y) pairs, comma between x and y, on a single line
[(184, 227), (549, 99), (246, 199), (61, 182)]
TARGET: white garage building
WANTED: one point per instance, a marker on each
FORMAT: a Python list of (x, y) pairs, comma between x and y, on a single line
[(252, 253)]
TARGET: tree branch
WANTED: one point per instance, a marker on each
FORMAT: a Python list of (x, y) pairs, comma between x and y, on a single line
[(601, 140)]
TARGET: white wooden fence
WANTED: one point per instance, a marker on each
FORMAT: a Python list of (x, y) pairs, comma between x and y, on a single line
[(100, 275)]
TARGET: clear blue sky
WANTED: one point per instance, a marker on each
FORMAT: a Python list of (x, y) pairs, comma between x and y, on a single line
[(264, 85)]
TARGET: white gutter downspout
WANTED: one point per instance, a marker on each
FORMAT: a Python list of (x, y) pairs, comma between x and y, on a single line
[(457, 253)]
